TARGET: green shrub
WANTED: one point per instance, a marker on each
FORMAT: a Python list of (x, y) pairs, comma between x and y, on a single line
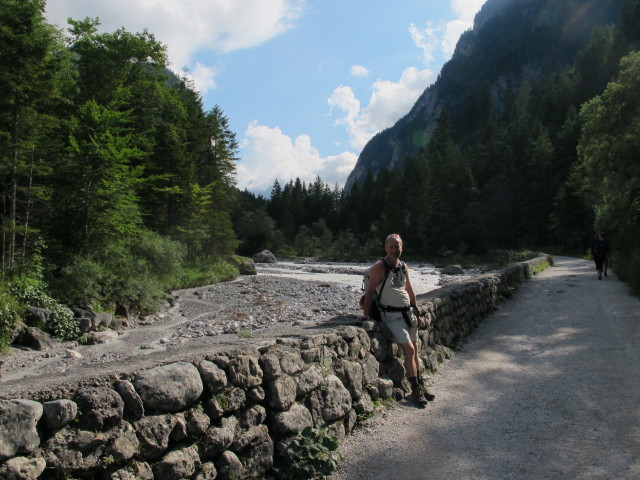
[(135, 274), (25, 293), (9, 316), (313, 453)]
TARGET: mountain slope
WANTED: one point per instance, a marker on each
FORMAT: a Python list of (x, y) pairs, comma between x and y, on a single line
[(512, 41)]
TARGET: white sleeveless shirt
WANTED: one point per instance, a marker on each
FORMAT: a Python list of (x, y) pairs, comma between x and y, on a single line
[(395, 293)]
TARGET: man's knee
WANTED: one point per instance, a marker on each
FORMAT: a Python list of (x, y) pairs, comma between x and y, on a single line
[(408, 349)]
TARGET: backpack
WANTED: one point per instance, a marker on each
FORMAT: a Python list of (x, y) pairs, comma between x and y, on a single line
[(374, 311), (599, 248)]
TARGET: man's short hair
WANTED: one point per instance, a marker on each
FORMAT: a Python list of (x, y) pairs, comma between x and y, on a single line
[(393, 236)]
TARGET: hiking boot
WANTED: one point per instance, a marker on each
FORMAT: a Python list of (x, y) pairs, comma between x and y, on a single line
[(418, 397), (429, 396)]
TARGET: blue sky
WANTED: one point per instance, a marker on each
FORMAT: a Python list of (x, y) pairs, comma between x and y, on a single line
[(305, 83)]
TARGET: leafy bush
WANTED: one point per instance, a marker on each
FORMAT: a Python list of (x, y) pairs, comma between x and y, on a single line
[(221, 271), (25, 292), (8, 316), (134, 274), (311, 454)]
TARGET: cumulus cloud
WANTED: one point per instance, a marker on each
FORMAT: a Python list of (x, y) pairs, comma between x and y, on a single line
[(189, 26), (466, 9), (269, 154), (389, 101), (359, 71), (425, 39)]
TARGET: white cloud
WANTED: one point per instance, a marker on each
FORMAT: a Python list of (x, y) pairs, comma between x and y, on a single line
[(269, 154), (188, 26), (204, 77), (425, 39), (466, 9), (387, 104), (359, 71)]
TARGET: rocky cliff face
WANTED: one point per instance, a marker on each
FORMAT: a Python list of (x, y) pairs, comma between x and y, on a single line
[(512, 41)]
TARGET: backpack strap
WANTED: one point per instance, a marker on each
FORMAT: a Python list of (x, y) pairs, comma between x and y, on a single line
[(387, 269)]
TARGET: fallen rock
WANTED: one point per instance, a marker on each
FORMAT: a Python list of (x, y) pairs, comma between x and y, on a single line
[(265, 257)]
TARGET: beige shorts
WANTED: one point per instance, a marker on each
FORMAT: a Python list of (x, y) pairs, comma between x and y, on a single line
[(399, 328)]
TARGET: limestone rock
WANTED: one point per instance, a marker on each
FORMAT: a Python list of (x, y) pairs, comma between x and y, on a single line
[(350, 374), (218, 439), (265, 256), (58, 413), (179, 463), (452, 270), (244, 371), (214, 378), (292, 421), (169, 388), (154, 433), (38, 317), (229, 466), (133, 406), (308, 380), (255, 450), (18, 420), (336, 400), (281, 392), (22, 468), (99, 408)]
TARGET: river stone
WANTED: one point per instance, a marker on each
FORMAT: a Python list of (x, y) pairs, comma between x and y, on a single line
[(33, 337), (37, 317), (217, 439), (336, 400), (452, 270), (364, 405), (350, 374), (18, 420), (229, 466), (244, 371), (76, 449), (309, 380), (214, 378), (270, 366), (293, 420), (291, 363), (252, 416), (179, 463), (169, 388), (197, 421), (370, 369), (265, 256), (385, 387), (95, 338), (58, 413), (207, 472), (99, 408), (255, 451), (281, 392), (22, 468), (256, 395), (133, 471), (154, 432), (133, 406)]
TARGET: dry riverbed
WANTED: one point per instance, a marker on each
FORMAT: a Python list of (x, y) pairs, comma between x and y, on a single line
[(284, 298)]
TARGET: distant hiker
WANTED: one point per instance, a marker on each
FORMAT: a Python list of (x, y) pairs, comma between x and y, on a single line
[(398, 310), (599, 251), (605, 264)]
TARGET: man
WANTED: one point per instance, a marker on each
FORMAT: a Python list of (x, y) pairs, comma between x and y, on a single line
[(399, 311)]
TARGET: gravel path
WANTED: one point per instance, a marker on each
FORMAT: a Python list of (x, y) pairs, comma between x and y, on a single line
[(548, 387)]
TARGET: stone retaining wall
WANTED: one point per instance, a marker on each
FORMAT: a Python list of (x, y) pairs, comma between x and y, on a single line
[(232, 415)]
